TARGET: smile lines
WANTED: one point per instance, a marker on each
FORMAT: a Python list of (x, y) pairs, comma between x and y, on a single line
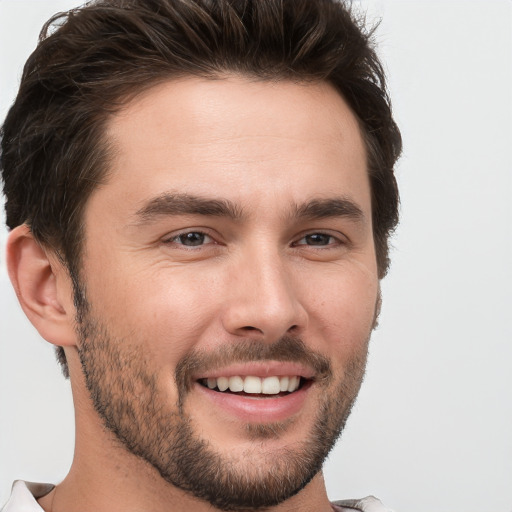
[(254, 385)]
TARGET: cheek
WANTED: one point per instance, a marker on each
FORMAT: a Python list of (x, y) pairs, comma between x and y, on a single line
[(165, 309), (344, 311)]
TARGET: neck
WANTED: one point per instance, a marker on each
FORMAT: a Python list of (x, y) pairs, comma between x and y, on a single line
[(140, 491), (106, 477)]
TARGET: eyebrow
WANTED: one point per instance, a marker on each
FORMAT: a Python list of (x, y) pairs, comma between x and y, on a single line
[(169, 204), (186, 204), (329, 207)]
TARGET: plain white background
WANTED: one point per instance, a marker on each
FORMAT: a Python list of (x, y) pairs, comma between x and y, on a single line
[(432, 429)]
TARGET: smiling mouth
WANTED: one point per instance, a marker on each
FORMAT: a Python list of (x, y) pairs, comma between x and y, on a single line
[(252, 386)]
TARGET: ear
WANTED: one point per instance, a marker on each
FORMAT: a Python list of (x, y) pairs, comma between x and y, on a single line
[(43, 287)]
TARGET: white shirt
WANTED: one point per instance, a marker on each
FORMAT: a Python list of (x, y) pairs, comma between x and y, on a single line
[(24, 495)]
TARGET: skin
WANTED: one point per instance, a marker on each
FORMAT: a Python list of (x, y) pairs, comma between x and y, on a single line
[(262, 275)]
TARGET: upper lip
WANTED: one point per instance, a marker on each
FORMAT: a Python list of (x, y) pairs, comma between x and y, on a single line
[(260, 369)]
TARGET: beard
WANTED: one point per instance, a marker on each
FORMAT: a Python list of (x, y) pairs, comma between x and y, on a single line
[(125, 391)]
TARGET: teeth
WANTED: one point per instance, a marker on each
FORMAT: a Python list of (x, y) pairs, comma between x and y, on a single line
[(236, 384), (271, 386), (254, 385), (222, 383), (293, 383)]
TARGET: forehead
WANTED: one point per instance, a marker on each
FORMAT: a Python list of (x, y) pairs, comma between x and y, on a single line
[(239, 138)]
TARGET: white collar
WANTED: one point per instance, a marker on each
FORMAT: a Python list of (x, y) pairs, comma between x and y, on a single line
[(24, 495)]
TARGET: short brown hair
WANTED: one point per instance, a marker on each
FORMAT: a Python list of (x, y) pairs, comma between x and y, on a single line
[(90, 61)]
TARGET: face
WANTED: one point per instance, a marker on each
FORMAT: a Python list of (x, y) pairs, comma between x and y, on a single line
[(230, 272)]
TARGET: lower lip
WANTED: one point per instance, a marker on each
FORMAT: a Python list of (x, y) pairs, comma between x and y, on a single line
[(258, 410)]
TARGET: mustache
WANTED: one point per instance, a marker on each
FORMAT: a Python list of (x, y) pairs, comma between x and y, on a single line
[(288, 348)]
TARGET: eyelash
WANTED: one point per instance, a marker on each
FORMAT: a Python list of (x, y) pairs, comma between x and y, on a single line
[(175, 239), (334, 241)]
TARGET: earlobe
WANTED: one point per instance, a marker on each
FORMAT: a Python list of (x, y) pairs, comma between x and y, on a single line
[(42, 286)]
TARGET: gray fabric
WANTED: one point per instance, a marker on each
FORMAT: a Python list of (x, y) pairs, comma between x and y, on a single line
[(368, 504)]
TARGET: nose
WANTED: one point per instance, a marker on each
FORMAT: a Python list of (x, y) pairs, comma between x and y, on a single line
[(263, 299)]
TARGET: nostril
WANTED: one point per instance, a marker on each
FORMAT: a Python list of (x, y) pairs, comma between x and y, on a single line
[(293, 329)]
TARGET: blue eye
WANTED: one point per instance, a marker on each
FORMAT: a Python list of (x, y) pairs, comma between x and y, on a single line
[(191, 239)]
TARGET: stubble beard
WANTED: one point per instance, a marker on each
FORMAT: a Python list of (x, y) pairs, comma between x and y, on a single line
[(127, 397)]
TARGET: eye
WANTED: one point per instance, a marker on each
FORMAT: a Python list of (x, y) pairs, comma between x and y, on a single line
[(318, 240), (191, 239)]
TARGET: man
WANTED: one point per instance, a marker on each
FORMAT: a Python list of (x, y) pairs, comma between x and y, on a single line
[(200, 196)]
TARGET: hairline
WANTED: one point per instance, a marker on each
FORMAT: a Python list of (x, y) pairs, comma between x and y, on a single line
[(107, 146)]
